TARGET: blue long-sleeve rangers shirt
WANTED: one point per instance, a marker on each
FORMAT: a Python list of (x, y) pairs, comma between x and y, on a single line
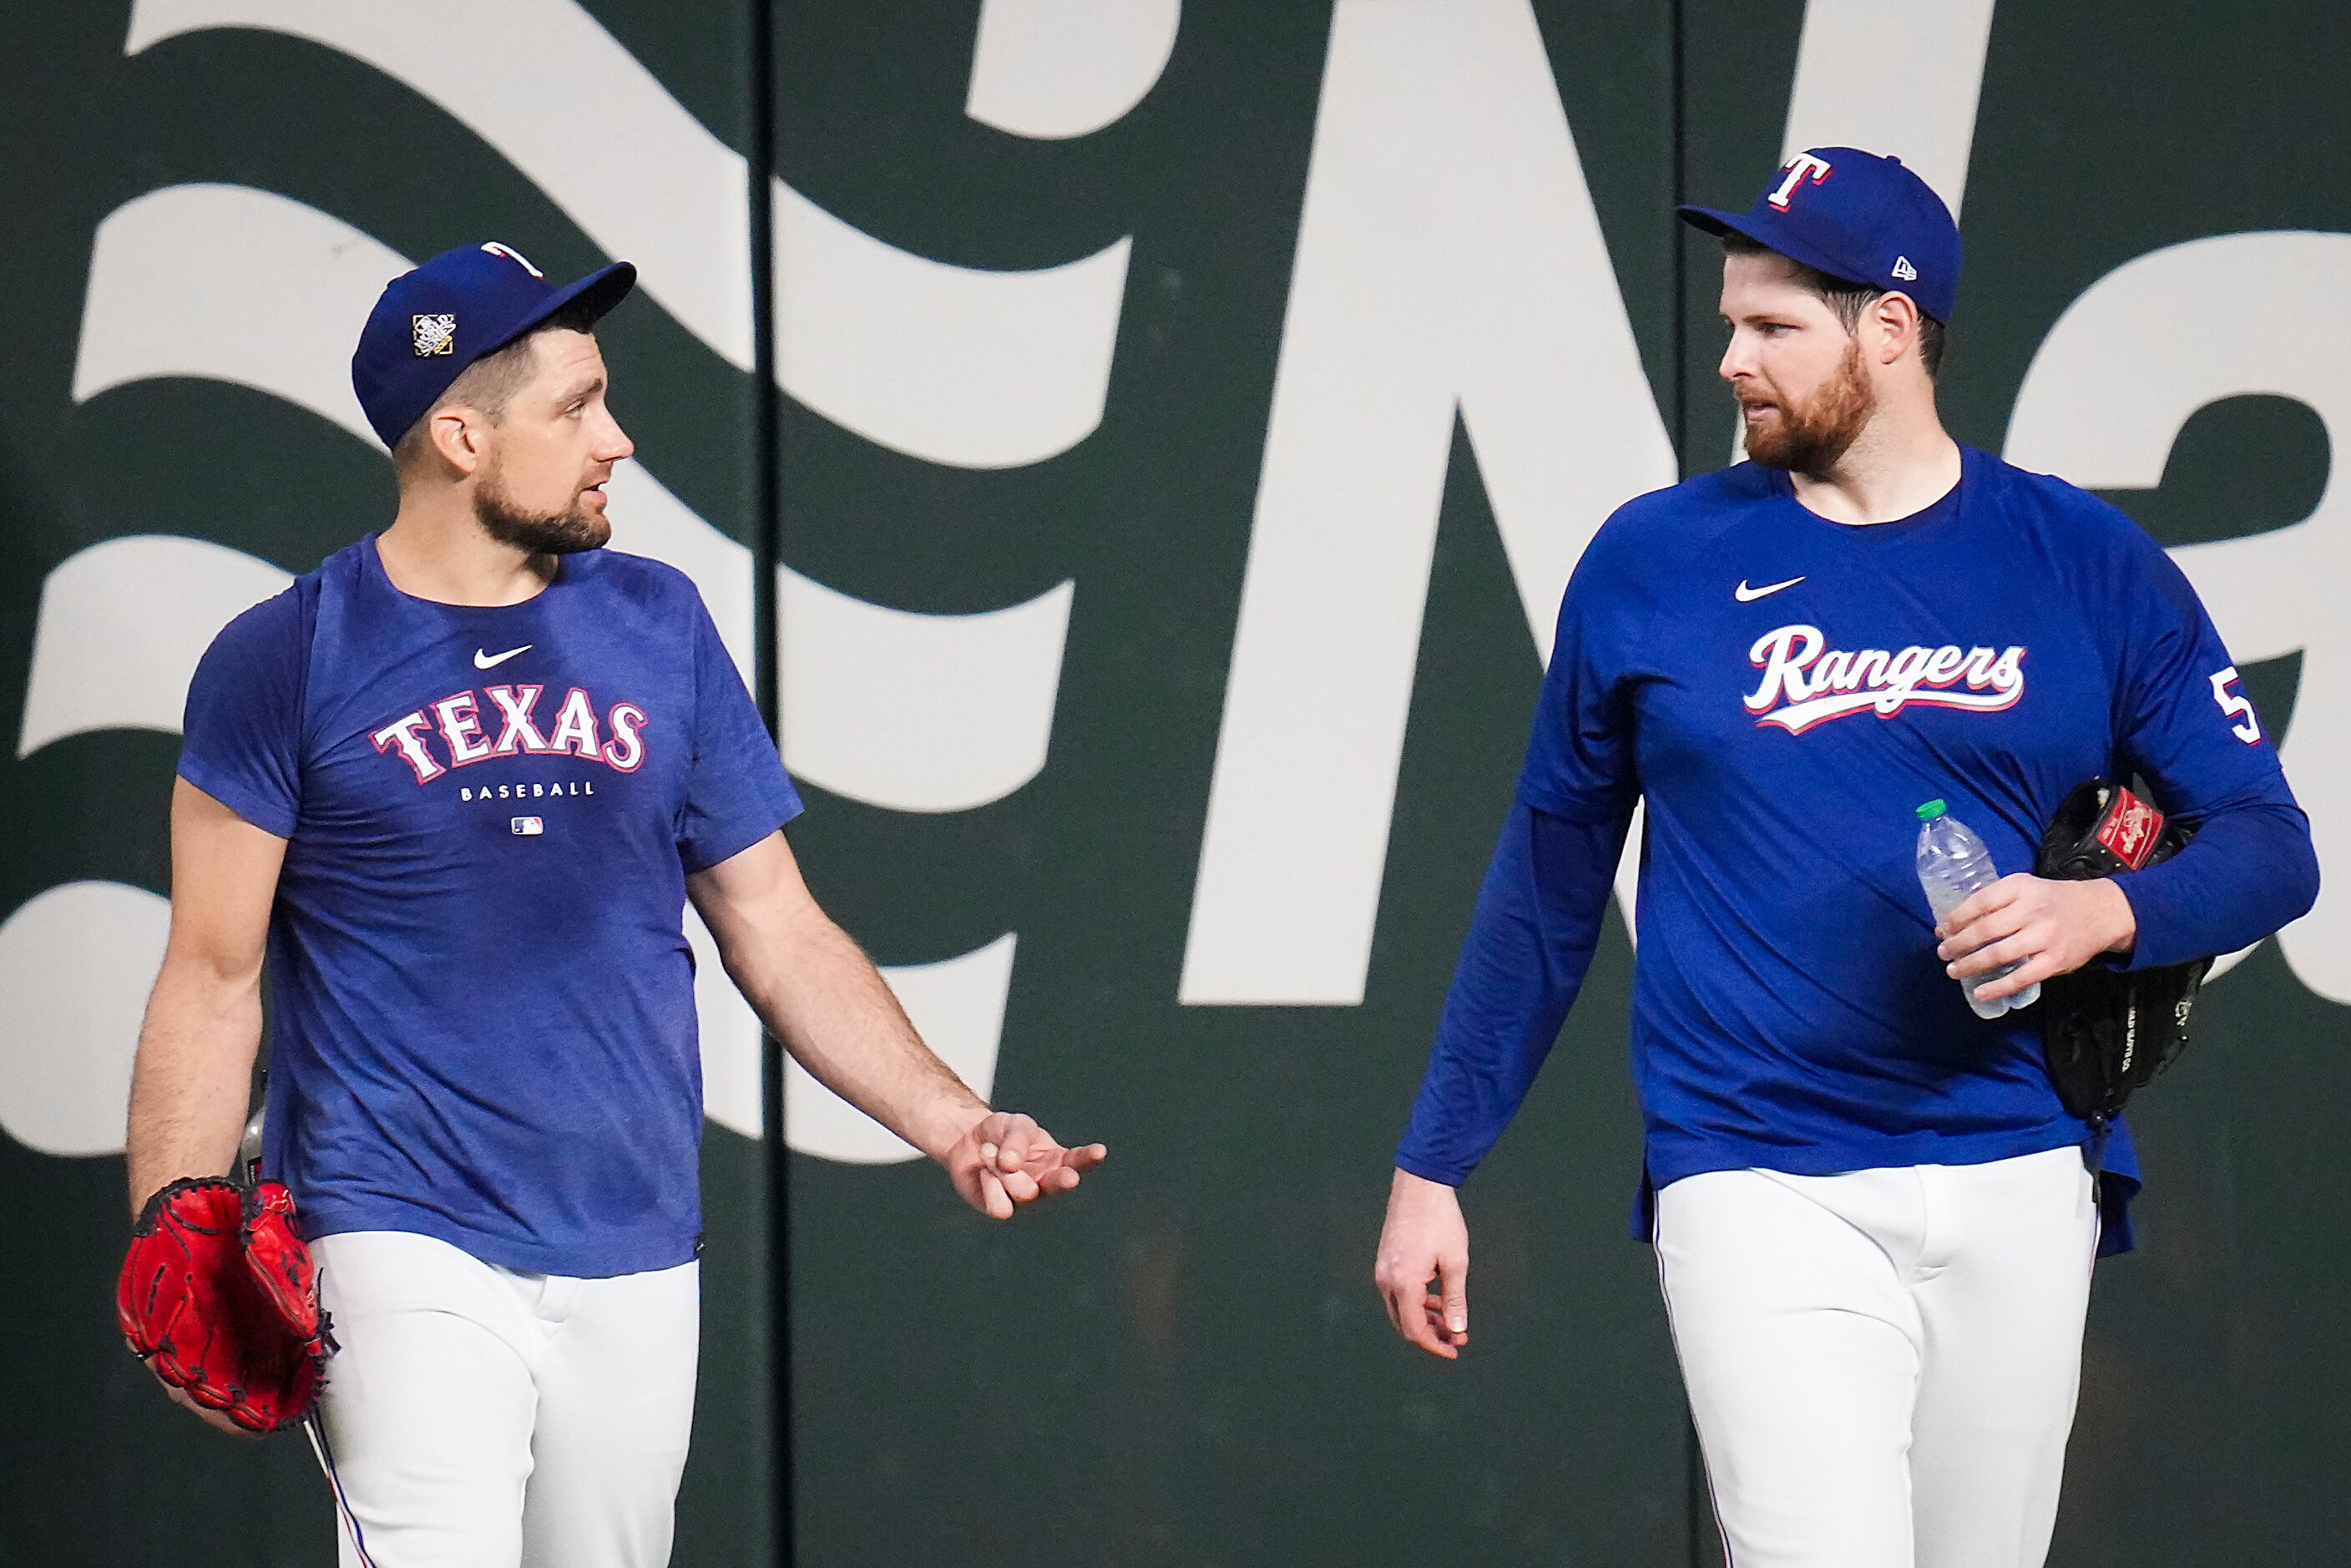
[(1783, 691)]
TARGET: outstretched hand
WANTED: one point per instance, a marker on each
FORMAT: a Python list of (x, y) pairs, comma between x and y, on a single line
[(1005, 1160)]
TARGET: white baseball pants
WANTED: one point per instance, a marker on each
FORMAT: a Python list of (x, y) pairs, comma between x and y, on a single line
[(484, 1418), (1883, 1363)]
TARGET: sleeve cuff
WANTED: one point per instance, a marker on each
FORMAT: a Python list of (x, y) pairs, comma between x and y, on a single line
[(1430, 1170), (272, 816), (2156, 937), (725, 842)]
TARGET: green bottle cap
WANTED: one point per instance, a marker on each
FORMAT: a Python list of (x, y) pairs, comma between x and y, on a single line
[(1931, 809)]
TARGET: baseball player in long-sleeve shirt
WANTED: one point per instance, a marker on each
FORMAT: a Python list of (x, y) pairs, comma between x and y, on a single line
[(1875, 1222)]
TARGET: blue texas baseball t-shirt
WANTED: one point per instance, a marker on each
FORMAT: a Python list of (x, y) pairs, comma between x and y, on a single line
[(1783, 691), (484, 1022)]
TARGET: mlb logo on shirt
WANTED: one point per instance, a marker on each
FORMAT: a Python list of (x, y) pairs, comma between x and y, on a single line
[(526, 827)]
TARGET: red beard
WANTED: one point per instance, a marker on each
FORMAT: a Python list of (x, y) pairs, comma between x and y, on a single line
[(1808, 439)]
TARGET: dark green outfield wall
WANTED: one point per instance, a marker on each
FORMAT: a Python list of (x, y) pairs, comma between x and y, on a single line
[(1184, 420)]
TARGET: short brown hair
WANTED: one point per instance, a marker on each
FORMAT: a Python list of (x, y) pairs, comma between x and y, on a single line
[(490, 383), (1847, 300)]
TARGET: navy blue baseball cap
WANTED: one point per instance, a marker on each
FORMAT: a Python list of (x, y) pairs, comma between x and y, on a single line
[(433, 322), (1856, 216)]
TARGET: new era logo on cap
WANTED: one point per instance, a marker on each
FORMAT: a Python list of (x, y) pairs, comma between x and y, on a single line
[(1904, 270)]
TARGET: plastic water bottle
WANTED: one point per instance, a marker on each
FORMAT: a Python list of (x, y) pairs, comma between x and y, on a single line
[(1952, 864)]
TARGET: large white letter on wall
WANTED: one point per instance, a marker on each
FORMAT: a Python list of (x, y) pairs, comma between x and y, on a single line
[(2120, 374), (1924, 113), (1448, 257)]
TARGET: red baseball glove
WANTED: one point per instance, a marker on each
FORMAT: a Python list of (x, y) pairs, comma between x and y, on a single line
[(218, 1296)]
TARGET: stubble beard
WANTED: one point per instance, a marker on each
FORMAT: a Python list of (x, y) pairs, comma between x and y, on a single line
[(1811, 440), (537, 533)]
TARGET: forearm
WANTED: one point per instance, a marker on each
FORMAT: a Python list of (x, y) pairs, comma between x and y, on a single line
[(1538, 922), (191, 1080), (2248, 871), (816, 991)]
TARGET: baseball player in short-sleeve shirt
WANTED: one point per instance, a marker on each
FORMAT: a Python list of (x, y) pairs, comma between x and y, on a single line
[(459, 783), (1875, 1221)]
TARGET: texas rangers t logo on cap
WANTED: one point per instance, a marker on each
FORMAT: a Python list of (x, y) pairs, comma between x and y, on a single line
[(1799, 168)]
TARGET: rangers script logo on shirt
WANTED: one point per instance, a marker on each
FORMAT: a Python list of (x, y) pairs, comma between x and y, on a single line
[(1806, 682)]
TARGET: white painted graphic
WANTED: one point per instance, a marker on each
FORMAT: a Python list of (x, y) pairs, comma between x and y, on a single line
[(121, 626), (956, 365), (919, 712), (276, 280), (979, 370), (556, 96), (1054, 69), (76, 963), (2121, 371), (1448, 260)]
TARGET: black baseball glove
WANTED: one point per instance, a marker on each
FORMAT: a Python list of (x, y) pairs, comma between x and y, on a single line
[(2106, 1031)]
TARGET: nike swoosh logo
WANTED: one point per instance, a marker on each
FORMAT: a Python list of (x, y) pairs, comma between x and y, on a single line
[(1746, 595), (492, 661)]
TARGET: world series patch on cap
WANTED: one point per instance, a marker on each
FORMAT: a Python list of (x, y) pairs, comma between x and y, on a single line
[(1857, 216), (432, 322)]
